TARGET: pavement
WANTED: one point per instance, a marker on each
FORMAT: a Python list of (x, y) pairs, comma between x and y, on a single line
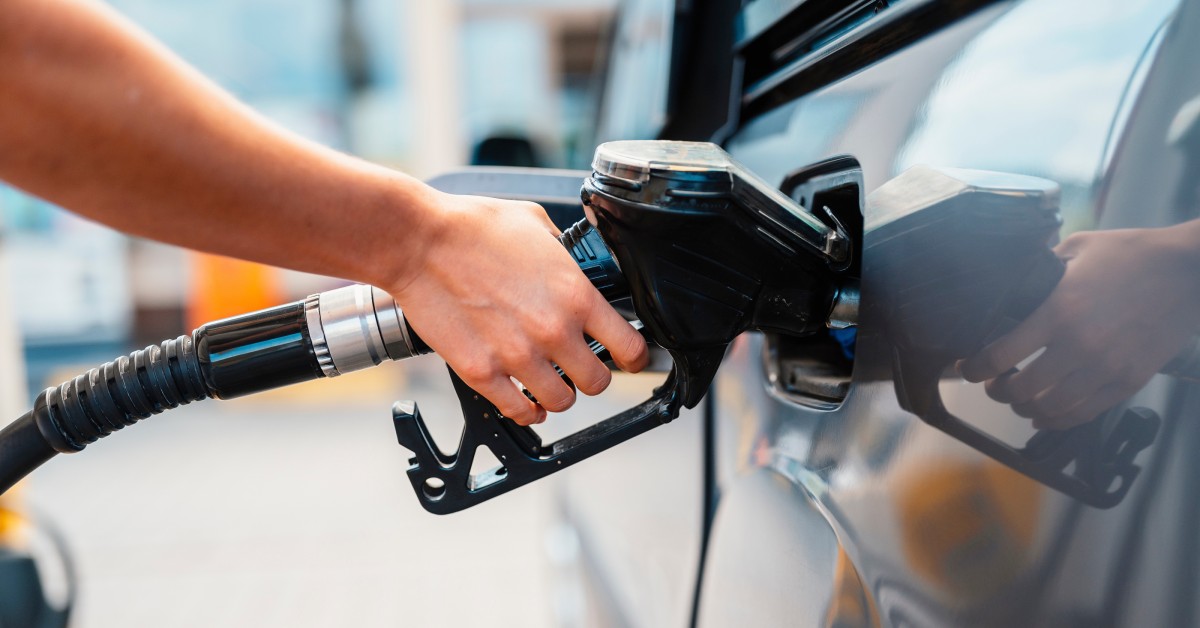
[(291, 509)]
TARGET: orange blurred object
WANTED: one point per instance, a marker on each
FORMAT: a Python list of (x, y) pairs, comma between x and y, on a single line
[(852, 606), (11, 522), (968, 526), (224, 287)]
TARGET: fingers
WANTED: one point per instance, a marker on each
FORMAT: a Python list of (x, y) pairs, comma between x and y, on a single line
[(551, 392), (1016, 387), (1003, 354), (544, 383), (1048, 390), (589, 374), (624, 343), (1089, 409), (508, 400), (1060, 399)]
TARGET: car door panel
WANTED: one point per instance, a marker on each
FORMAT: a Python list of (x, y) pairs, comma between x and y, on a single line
[(939, 533)]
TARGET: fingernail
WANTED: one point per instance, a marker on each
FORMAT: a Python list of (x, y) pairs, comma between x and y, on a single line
[(962, 367), (973, 373)]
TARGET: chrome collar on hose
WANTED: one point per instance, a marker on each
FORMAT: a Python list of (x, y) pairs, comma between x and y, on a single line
[(356, 327)]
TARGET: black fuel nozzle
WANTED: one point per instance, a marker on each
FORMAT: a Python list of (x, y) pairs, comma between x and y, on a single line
[(705, 251), (709, 251)]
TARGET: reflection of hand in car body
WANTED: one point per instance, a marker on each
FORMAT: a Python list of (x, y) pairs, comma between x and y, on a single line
[(1128, 301), (99, 119)]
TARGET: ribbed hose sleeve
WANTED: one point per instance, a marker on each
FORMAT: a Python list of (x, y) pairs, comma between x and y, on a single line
[(120, 393), (80, 411)]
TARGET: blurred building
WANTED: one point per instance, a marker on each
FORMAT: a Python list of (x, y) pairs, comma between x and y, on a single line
[(530, 72)]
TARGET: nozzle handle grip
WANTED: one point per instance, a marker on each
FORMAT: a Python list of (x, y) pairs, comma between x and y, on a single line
[(595, 260)]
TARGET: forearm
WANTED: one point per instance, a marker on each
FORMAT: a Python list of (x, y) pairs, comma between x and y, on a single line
[(98, 118)]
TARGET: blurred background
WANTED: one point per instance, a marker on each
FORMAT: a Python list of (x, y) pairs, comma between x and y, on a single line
[(420, 86), (306, 518)]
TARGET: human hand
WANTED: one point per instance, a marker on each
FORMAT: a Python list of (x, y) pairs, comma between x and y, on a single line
[(1128, 301), (491, 289)]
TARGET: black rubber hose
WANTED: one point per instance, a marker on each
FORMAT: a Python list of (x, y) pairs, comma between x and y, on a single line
[(80, 411), (22, 449)]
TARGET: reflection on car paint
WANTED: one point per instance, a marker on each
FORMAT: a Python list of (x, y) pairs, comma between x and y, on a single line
[(1012, 552), (967, 528), (955, 259), (1037, 93), (851, 605)]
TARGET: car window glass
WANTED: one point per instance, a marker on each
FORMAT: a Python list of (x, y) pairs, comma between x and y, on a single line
[(635, 93), (1037, 93)]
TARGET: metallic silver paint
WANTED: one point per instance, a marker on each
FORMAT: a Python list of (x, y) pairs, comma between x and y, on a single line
[(1090, 95)]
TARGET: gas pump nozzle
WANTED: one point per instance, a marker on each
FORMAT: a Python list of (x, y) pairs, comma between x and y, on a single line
[(706, 251)]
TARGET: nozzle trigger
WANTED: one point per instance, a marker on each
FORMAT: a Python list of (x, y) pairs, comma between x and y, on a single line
[(444, 482)]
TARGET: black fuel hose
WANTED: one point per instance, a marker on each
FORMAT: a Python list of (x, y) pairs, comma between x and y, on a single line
[(80, 411), (22, 449), (325, 335)]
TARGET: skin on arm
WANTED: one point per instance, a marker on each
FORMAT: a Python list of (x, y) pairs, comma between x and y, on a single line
[(1129, 300), (99, 118)]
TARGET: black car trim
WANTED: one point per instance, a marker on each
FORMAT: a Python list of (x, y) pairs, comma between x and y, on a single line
[(766, 46), (701, 67), (871, 41)]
